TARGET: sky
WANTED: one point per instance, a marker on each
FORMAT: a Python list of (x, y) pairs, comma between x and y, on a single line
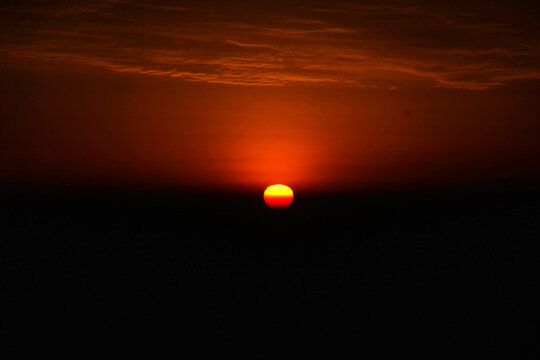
[(319, 95)]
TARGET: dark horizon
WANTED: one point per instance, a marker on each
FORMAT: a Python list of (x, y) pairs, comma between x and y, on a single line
[(148, 274)]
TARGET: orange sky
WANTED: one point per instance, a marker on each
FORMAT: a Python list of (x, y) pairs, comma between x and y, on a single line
[(316, 95)]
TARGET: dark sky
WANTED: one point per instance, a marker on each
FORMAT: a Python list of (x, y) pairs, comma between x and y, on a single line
[(241, 94)]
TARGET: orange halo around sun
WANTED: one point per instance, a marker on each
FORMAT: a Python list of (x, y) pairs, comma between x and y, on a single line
[(278, 196)]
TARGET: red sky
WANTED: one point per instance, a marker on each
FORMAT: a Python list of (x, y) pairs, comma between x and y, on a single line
[(315, 94)]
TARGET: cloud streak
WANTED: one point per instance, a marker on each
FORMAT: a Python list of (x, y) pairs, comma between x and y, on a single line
[(379, 45)]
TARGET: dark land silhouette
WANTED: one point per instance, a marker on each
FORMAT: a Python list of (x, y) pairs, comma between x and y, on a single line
[(141, 273)]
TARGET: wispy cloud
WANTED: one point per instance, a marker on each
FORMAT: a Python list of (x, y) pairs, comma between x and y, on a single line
[(74, 8), (166, 7), (380, 45)]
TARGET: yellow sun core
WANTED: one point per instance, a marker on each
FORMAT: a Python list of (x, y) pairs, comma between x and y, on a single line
[(278, 196)]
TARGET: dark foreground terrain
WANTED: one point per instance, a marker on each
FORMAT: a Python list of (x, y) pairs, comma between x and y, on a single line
[(159, 274)]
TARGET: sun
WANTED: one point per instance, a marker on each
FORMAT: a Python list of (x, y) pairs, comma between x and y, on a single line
[(278, 196)]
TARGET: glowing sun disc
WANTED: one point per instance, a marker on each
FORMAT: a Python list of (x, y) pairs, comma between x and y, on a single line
[(278, 196)]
